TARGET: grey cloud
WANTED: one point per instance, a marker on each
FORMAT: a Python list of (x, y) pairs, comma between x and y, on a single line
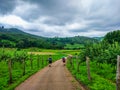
[(33, 30), (58, 9), (6, 6), (102, 15), (79, 30)]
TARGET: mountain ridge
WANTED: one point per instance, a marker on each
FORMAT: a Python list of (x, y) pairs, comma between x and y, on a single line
[(23, 40)]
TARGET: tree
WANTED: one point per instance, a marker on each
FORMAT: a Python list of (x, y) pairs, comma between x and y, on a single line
[(2, 27)]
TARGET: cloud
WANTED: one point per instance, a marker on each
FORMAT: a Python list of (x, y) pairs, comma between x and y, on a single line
[(12, 20), (6, 6), (62, 17)]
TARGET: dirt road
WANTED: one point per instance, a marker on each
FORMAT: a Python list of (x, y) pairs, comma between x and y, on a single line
[(56, 77)]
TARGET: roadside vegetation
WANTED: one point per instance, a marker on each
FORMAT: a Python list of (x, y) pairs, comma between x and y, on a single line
[(102, 63)]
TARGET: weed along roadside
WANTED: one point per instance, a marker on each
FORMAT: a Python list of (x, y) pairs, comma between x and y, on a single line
[(90, 75)]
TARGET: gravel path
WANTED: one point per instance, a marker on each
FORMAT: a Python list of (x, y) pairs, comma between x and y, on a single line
[(56, 77)]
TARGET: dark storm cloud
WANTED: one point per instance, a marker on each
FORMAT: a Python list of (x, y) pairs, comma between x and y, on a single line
[(59, 10), (6, 6), (62, 17)]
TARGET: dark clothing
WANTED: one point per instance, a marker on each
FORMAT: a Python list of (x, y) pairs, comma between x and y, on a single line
[(50, 60), (63, 59)]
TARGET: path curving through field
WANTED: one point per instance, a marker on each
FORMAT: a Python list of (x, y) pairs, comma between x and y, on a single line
[(56, 77)]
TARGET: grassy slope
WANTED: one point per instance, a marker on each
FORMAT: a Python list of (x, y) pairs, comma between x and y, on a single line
[(102, 78)]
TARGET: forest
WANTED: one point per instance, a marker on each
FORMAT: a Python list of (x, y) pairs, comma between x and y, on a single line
[(15, 38)]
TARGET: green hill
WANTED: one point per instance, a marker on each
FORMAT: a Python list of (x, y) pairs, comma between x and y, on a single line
[(113, 36), (99, 38), (13, 37)]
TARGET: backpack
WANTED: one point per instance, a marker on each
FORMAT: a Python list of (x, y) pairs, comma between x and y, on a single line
[(49, 59), (63, 58)]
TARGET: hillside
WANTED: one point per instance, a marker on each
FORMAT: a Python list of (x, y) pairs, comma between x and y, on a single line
[(13, 37), (99, 38), (16, 38), (113, 36), (11, 30), (71, 42)]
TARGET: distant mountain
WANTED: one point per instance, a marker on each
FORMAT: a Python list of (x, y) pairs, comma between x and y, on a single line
[(73, 40), (76, 42), (16, 31), (13, 37), (99, 38), (11, 30)]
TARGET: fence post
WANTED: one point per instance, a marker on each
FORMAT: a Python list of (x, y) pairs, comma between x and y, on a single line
[(23, 67), (42, 61), (38, 59), (71, 61), (88, 67), (118, 74), (10, 71), (31, 63), (77, 63), (78, 69), (46, 59)]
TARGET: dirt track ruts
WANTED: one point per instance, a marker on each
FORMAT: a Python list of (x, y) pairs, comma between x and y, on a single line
[(50, 78)]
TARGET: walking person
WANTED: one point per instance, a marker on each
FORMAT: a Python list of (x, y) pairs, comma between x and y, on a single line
[(50, 60), (63, 60)]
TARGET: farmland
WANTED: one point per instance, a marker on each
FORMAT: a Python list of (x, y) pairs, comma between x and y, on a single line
[(94, 64), (23, 63)]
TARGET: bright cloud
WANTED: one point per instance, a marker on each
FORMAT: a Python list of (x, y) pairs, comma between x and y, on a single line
[(13, 20)]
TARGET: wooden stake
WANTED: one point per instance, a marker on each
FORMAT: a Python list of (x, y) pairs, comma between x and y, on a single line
[(42, 61), (88, 67), (118, 74), (23, 67), (77, 63), (38, 61), (31, 61), (10, 71)]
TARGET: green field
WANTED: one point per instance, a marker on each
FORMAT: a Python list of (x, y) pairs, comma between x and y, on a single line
[(35, 59), (103, 75)]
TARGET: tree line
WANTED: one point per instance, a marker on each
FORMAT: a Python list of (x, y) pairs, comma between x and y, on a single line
[(105, 51), (14, 38)]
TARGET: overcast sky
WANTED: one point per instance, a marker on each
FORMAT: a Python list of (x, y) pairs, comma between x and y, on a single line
[(61, 18)]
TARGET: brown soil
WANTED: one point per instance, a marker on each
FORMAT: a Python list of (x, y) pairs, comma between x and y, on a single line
[(41, 53), (56, 77)]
